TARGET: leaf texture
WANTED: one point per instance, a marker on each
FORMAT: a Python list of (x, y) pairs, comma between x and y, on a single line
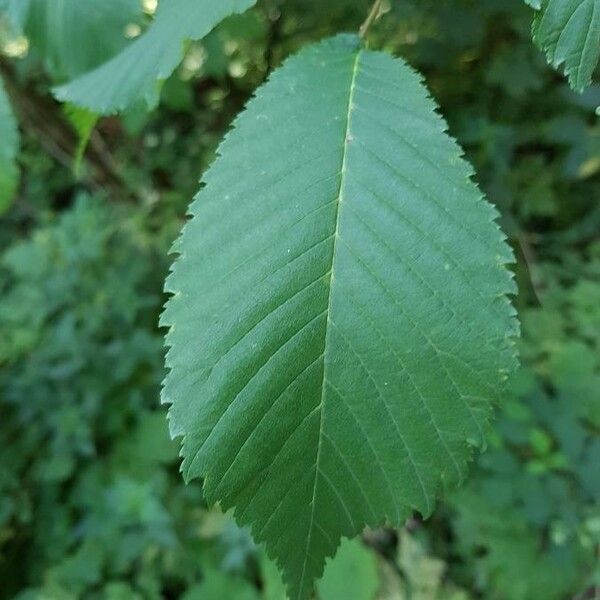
[(338, 321), (134, 74), (568, 31), (9, 134)]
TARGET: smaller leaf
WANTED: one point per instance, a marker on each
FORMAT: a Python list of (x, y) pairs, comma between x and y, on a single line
[(568, 31), (351, 574), (273, 586), (136, 73), (73, 36), (217, 586), (9, 134), (83, 122)]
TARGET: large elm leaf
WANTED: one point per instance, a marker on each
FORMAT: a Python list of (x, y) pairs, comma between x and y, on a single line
[(135, 74), (9, 144), (568, 31), (339, 321)]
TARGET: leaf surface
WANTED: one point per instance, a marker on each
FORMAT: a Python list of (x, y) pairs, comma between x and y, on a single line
[(9, 145), (338, 321), (135, 74), (568, 31)]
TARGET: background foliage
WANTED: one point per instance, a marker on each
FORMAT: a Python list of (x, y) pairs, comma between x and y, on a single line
[(91, 501)]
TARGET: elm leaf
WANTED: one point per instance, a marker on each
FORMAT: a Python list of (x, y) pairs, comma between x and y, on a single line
[(339, 324)]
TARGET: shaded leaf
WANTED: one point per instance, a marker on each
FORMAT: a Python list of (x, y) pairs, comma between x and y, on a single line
[(218, 586), (74, 36), (9, 145), (273, 586), (135, 74), (352, 574)]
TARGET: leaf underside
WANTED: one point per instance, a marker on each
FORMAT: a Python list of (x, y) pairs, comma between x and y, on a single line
[(568, 31), (338, 321), (9, 134), (135, 74)]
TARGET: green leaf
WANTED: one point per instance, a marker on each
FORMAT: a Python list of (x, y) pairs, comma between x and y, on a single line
[(351, 574), (339, 321), (9, 146), (568, 31), (16, 11), (218, 586), (83, 122), (74, 36), (135, 74), (273, 587)]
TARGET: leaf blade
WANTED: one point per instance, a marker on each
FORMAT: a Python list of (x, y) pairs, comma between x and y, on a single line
[(134, 74), (329, 277), (568, 31), (73, 36)]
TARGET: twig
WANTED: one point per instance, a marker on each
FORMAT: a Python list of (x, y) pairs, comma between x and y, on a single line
[(373, 15)]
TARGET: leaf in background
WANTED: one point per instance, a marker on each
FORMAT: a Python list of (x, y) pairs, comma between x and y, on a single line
[(568, 31), (74, 36), (220, 586), (351, 574), (135, 74), (9, 145), (339, 319), (83, 122), (16, 11)]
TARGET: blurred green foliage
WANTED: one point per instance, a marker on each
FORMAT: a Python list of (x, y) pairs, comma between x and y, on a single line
[(91, 501)]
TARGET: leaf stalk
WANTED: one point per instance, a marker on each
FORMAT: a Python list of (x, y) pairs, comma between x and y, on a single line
[(373, 15)]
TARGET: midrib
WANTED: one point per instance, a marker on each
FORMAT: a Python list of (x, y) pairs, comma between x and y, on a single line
[(347, 138)]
